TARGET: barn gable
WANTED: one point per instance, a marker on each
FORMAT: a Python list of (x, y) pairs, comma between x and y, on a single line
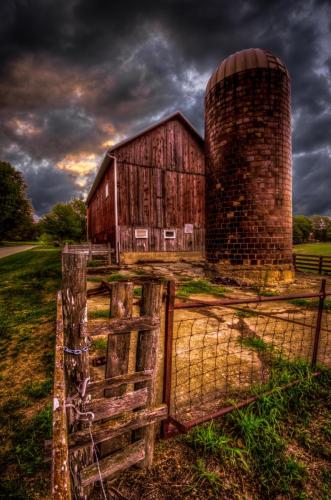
[(160, 187)]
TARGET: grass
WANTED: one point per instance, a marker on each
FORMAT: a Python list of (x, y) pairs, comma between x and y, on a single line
[(100, 313), (193, 287), (100, 345), (17, 243), (28, 285), (311, 303), (260, 439), (314, 248)]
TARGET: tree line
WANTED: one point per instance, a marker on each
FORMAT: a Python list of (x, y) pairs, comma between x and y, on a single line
[(66, 222)]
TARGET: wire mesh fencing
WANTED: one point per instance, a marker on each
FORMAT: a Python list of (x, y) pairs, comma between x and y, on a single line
[(224, 352)]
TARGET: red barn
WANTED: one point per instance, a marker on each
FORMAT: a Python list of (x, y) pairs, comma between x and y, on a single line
[(148, 198)]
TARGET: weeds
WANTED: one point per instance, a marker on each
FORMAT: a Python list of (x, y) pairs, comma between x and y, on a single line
[(255, 343), (37, 389), (200, 286), (100, 313), (99, 345), (204, 478), (211, 440)]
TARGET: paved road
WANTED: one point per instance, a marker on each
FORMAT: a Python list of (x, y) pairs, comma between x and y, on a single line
[(5, 251)]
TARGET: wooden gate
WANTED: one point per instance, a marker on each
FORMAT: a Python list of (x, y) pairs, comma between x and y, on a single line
[(103, 427)]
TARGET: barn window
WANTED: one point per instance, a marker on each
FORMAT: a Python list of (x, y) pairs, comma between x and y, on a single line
[(141, 233), (188, 228), (106, 190), (169, 234)]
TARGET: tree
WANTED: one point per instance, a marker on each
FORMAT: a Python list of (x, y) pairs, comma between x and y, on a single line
[(321, 226), (16, 215), (302, 227), (66, 221)]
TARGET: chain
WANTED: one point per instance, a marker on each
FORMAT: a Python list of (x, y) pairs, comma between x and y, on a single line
[(77, 352)]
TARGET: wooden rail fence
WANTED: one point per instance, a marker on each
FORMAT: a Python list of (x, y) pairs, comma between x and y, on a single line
[(321, 264), (101, 427)]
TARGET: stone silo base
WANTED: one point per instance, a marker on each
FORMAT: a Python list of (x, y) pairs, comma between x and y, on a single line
[(253, 275)]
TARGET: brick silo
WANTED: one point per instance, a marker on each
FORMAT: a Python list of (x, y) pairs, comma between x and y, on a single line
[(248, 169)]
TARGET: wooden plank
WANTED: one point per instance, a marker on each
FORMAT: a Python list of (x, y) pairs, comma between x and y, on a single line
[(124, 326), (103, 431), (110, 407), (129, 378), (61, 489), (147, 348), (113, 464)]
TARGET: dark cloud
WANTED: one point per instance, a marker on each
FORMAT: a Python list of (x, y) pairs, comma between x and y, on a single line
[(76, 73)]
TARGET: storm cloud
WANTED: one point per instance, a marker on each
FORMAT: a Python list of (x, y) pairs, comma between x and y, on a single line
[(76, 76)]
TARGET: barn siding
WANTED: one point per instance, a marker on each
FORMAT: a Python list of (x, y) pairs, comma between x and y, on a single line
[(161, 185)]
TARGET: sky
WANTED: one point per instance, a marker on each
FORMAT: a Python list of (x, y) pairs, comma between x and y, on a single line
[(77, 76)]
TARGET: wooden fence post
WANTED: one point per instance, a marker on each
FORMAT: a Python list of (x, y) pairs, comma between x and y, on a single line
[(118, 348), (319, 322), (76, 364), (89, 250), (320, 265), (168, 345), (147, 348)]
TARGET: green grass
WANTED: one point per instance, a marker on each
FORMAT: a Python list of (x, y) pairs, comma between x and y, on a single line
[(100, 313), (28, 285), (255, 343), (204, 478), (17, 243), (311, 303), (314, 248), (256, 440), (193, 287), (100, 345)]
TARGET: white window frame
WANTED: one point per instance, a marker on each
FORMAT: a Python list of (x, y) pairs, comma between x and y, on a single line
[(141, 233), (167, 237)]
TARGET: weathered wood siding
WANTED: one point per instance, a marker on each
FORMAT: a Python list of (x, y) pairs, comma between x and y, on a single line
[(161, 185), (100, 213)]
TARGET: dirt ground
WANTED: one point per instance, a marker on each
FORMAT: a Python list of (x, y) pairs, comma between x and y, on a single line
[(220, 353)]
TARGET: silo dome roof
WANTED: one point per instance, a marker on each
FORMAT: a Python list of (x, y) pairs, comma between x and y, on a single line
[(243, 60)]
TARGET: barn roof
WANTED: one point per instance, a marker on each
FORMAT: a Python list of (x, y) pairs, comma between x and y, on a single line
[(105, 162)]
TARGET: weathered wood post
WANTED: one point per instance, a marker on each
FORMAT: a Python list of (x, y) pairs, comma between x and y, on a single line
[(89, 251), (147, 348), (76, 358), (119, 344), (320, 265), (60, 457), (118, 353)]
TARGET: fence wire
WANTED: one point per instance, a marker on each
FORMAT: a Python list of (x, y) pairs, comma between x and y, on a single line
[(221, 355)]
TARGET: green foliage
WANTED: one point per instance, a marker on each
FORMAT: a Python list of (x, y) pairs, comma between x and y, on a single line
[(321, 225), (30, 440), (137, 292), (38, 389), (28, 285), (314, 249), (302, 227), (245, 313), (99, 313), (192, 287), (210, 439), (255, 343), (66, 221), (117, 277), (16, 219), (311, 303), (204, 478), (100, 345)]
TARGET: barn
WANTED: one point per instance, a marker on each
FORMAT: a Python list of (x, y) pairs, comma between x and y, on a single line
[(148, 197)]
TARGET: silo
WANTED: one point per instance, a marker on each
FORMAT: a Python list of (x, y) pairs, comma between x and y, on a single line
[(248, 169)]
